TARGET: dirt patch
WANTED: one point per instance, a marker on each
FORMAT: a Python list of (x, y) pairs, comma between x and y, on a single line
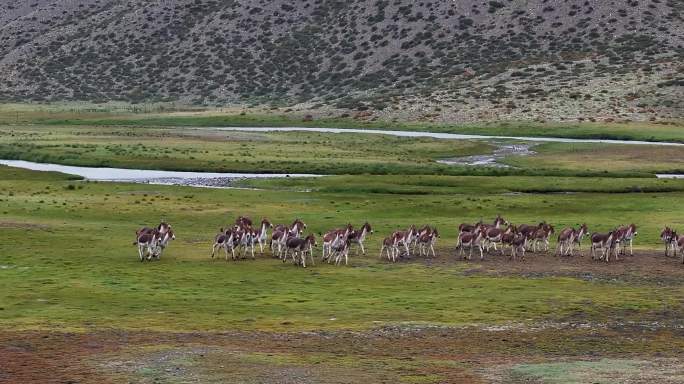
[(27, 226), (386, 355), (643, 266)]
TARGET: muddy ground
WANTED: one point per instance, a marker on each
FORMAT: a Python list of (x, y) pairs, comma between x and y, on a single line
[(554, 351), (388, 355)]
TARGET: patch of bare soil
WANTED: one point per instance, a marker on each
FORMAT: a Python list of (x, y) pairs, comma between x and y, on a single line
[(18, 225), (643, 266), (385, 355)]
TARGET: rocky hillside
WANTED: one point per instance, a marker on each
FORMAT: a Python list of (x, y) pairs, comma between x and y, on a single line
[(437, 60)]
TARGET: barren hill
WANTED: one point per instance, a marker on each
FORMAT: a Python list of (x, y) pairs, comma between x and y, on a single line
[(441, 60)]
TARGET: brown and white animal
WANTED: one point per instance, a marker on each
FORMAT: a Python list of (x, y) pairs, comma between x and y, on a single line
[(162, 228), (625, 235), (333, 237), (669, 237), (605, 241), (679, 245), (243, 221), (278, 241), (542, 235), (494, 235), (147, 242), (426, 240), (508, 237), (388, 246), (471, 240), (403, 239), (299, 247), (262, 235), (464, 227), (339, 251), (247, 238), (296, 229), (526, 230), (518, 244), (359, 236), (224, 239), (498, 223), (568, 237), (163, 242)]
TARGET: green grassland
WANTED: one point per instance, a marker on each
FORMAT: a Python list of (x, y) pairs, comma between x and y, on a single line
[(207, 150), (149, 116), (320, 153), (577, 157), (67, 263), (465, 185), (67, 259)]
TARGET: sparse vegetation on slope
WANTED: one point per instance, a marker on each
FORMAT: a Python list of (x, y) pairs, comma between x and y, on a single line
[(465, 60)]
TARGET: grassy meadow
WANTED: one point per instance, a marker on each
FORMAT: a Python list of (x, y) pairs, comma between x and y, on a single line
[(160, 115), (69, 274), (190, 149), (67, 259)]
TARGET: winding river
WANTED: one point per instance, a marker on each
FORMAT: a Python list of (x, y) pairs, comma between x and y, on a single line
[(193, 179), (438, 135), (222, 180)]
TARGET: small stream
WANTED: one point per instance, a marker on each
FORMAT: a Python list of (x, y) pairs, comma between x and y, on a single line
[(192, 179), (491, 159), (223, 180), (438, 135)]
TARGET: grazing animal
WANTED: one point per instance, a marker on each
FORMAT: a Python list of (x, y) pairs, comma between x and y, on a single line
[(358, 237), (605, 242), (147, 243)]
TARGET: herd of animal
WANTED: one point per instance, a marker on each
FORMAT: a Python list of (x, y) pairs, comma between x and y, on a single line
[(287, 242), (522, 237)]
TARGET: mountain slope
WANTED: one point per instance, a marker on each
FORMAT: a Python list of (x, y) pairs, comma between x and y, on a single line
[(466, 59)]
